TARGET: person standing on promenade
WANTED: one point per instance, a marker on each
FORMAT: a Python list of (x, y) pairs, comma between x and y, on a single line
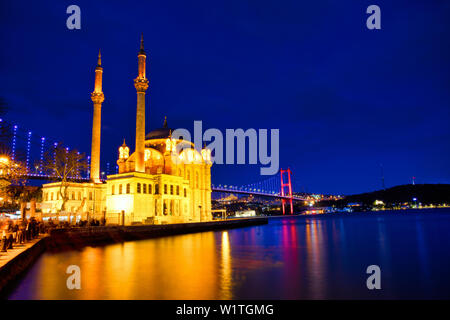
[(4, 228), (22, 228), (10, 234), (16, 231)]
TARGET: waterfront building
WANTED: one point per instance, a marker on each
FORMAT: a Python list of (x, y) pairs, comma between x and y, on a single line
[(165, 180)]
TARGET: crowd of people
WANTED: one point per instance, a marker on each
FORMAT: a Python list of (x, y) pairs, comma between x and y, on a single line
[(21, 231), (17, 232)]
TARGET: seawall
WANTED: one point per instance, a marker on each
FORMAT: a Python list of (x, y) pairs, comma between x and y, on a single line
[(78, 237)]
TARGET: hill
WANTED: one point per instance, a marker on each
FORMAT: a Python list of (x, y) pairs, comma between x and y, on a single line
[(426, 194)]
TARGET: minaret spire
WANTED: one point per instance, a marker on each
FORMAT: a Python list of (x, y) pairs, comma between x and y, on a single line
[(141, 50), (141, 85), (99, 60), (97, 98)]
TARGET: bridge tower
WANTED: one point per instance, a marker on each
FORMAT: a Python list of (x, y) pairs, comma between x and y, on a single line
[(289, 186)]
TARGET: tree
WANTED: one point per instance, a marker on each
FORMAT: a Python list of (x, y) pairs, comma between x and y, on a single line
[(21, 194), (65, 165), (11, 173)]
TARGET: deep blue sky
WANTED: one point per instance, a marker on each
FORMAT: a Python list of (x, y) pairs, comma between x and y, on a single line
[(345, 98)]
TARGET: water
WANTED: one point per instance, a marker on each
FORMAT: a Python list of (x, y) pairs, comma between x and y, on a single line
[(320, 257)]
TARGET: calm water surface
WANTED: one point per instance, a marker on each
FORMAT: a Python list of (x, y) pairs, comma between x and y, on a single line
[(321, 257)]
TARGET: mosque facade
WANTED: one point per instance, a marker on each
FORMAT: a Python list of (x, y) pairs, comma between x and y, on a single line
[(165, 180)]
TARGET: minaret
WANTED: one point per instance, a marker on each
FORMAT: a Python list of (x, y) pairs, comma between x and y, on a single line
[(97, 98), (141, 85)]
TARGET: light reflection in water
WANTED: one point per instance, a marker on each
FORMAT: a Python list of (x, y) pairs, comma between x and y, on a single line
[(179, 267), (315, 260), (291, 258), (225, 275)]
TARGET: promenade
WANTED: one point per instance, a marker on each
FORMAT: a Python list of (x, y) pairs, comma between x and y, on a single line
[(18, 259), (17, 249)]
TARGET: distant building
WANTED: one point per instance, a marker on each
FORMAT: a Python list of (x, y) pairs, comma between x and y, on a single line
[(245, 213)]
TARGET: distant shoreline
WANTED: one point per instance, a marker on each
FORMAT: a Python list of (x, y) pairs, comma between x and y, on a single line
[(343, 213)]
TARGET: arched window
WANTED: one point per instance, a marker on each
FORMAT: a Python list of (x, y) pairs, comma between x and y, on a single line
[(178, 190), (171, 189), (120, 189), (165, 188), (90, 195), (112, 189), (185, 193), (196, 179), (145, 187), (46, 196), (51, 196), (150, 189), (73, 195), (156, 188), (138, 189), (128, 188), (57, 196), (79, 195)]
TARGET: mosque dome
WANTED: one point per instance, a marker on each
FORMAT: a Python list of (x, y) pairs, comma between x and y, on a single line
[(160, 133)]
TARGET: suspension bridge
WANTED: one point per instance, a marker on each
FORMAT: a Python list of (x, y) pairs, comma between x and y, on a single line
[(23, 145)]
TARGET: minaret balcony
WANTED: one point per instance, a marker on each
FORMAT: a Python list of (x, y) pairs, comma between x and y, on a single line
[(141, 84), (97, 97)]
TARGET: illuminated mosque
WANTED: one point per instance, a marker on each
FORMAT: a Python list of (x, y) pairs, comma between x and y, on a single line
[(165, 180)]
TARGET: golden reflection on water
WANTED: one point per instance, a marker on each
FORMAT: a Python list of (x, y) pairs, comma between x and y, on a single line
[(225, 275), (180, 267)]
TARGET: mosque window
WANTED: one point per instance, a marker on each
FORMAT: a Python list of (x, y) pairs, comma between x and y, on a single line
[(138, 189), (156, 188), (171, 189), (150, 189), (144, 185), (90, 195), (165, 188), (57, 196), (79, 195), (46, 196), (128, 188), (178, 190), (120, 189), (51, 196), (185, 193), (112, 189), (73, 195)]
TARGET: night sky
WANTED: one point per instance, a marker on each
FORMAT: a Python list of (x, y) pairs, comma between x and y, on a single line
[(346, 99)]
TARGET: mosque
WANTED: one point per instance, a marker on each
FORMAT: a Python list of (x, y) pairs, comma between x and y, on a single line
[(165, 180)]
